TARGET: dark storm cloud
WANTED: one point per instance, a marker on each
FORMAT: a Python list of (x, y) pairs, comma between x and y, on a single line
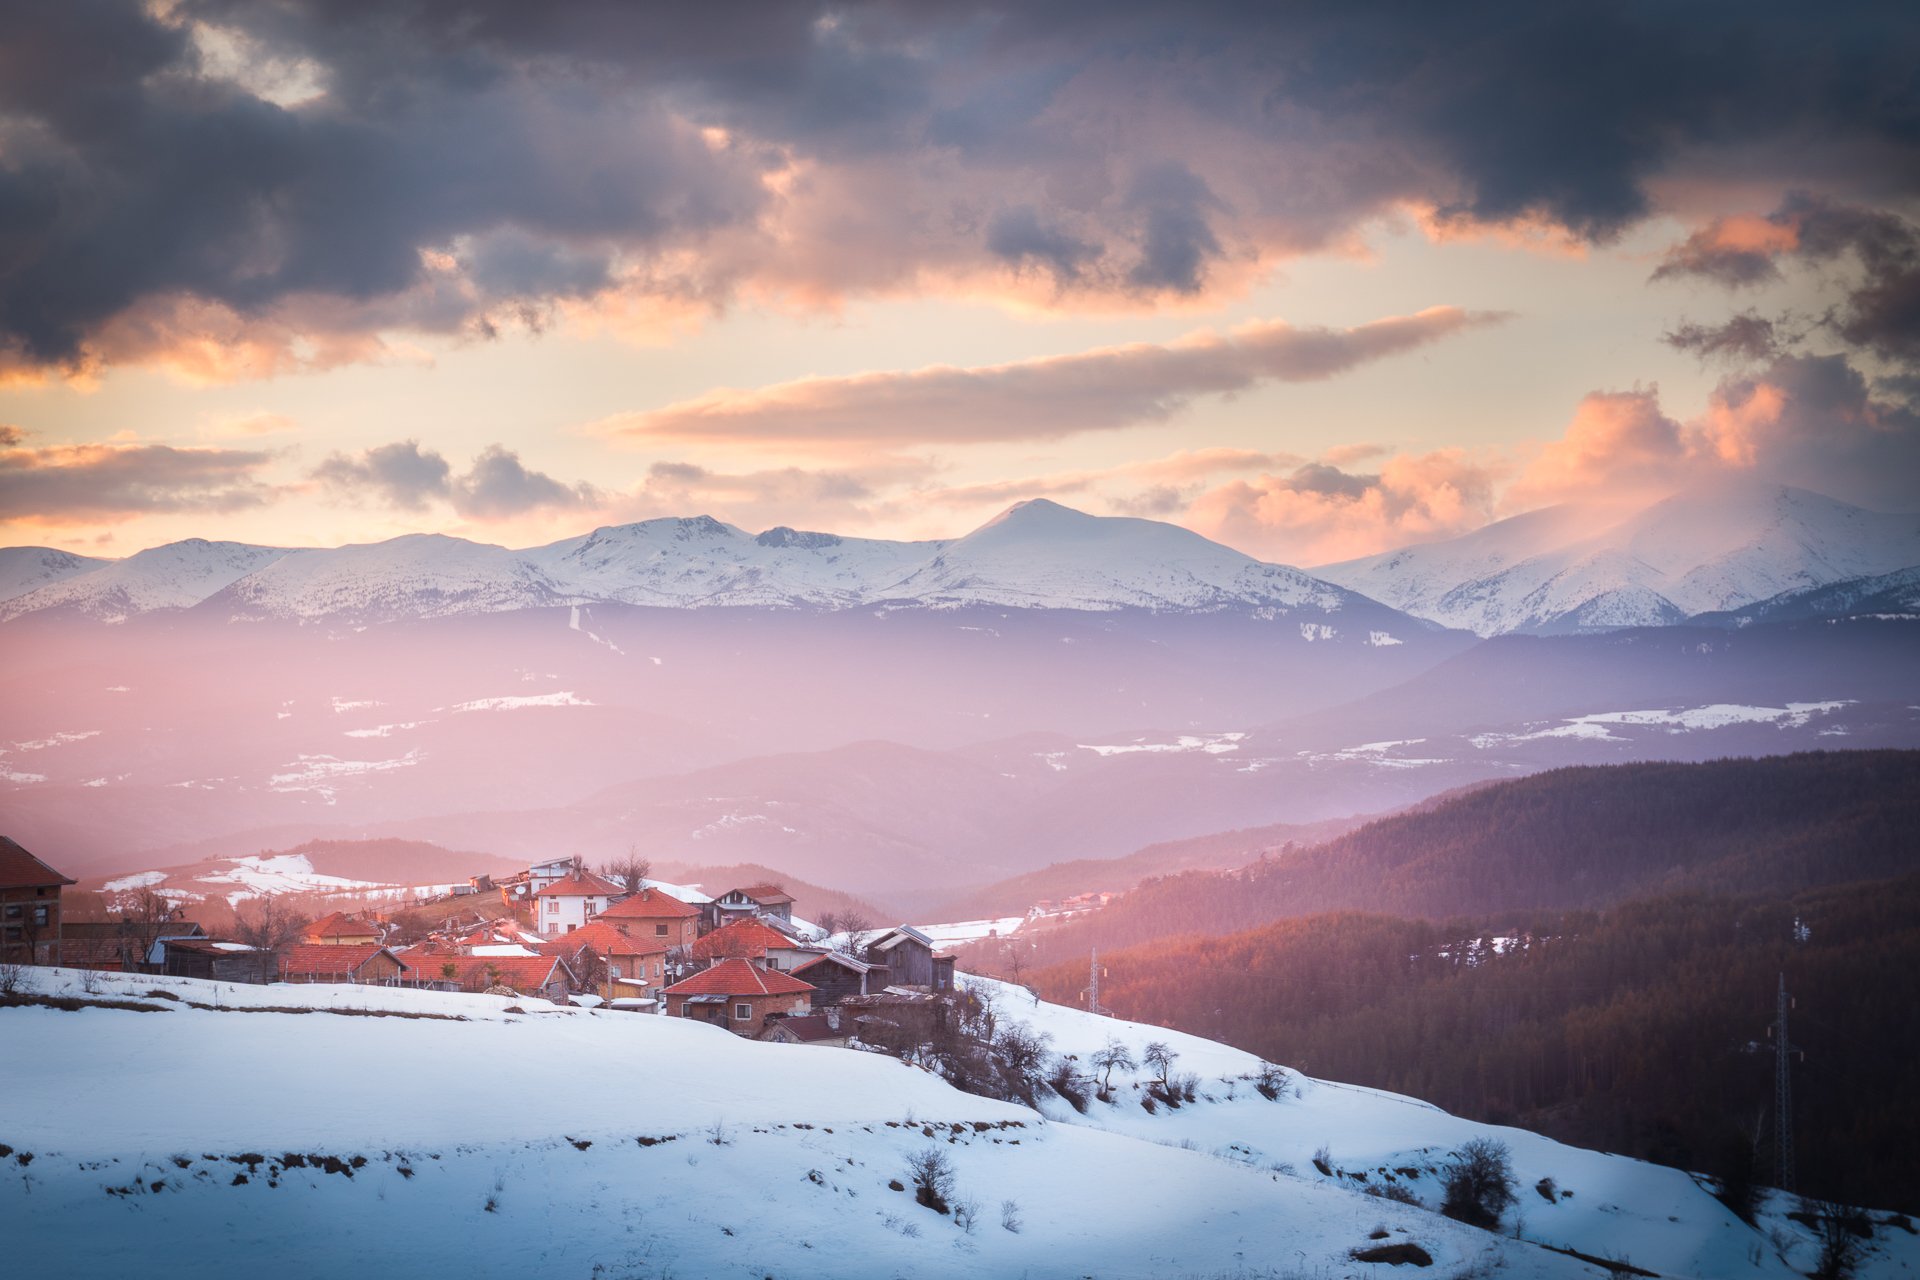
[(543, 152)]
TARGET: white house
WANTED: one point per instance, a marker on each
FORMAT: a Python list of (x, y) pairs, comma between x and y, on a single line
[(566, 904)]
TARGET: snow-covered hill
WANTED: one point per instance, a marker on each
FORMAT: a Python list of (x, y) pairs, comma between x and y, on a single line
[(1037, 555), (430, 1140), (24, 569), (1718, 549), (175, 576), (1893, 595)]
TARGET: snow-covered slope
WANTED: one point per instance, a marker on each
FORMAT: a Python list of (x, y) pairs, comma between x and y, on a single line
[(1038, 555), (431, 1136), (1886, 595), (684, 563), (1716, 549), (1041, 554), (424, 575), (175, 576), (24, 569)]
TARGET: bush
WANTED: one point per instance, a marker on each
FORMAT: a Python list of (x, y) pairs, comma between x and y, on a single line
[(1270, 1081), (931, 1173), (1069, 1086), (1394, 1191), (1323, 1161), (11, 976), (1479, 1183), (1010, 1216)]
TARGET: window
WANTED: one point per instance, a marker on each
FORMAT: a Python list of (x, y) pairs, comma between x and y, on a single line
[(40, 916), (553, 906), (743, 1013), (660, 931), (613, 971), (15, 911)]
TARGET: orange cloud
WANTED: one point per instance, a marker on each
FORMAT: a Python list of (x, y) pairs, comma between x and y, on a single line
[(1041, 399)]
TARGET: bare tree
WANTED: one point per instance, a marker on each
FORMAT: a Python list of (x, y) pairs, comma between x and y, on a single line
[(858, 929), (1479, 1183), (629, 870), (1158, 1057), (1114, 1055), (267, 922), (932, 1174), (140, 915)]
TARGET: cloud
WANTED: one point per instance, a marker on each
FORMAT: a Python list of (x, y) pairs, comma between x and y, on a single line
[(236, 190), (405, 477), (1318, 513), (86, 483), (1877, 306), (1039, 399), (399, 475), (1748, 337), (1809, 421)]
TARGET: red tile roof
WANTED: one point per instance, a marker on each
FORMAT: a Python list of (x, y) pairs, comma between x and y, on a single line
[(765, 893), (319, 958), (748, 937), (607, 939), (21, 870), (477, 973), (581, 884), (739, 978), (650, 904), (340, 925)]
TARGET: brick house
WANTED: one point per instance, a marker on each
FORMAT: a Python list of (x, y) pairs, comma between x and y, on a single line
[(740, 996), (530, 975), (753, 939), (29, 907), (567, 903), (660, 916), (340, 930), (636, 961), (366, 964)]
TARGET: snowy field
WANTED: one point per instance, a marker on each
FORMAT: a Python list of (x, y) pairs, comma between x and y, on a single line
[(470, 1139)]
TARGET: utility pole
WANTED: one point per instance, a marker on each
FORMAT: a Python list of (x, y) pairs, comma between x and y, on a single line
[(1093, 985), (1783, 1049)]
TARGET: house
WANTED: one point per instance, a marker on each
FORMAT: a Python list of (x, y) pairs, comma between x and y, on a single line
[(367, 964), (213, 958), (896, 1018), (567, 903), (740, 996), (759, 899), (542, 874), (910, 959), (636, 961), (813, 1028), (341, 930), (837, 975), (656, 914), (117, 946), (755, 939), (548, 976), (29, 907)]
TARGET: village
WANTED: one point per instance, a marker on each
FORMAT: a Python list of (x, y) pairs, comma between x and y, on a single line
[(558, 932)]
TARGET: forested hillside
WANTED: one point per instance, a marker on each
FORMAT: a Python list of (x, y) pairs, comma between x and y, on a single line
[(1565, 839), (1640, 1029)]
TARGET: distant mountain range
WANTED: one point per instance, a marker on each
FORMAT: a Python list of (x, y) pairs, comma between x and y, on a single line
[(1566, 569), (1561, 569), (1036, 555)]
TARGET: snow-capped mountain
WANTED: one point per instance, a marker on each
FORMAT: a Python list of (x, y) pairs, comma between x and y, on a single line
[(1886, 595), (1036, 555), (24, 569), (1570, 569), (178, 575), (1041, 554)]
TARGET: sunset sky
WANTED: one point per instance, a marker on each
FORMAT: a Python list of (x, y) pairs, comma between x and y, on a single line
[(1311, 283)]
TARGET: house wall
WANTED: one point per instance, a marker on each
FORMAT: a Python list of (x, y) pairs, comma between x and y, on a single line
[(757, 1007), (832, 984), (30, 925), (554, 916), (908, 964)]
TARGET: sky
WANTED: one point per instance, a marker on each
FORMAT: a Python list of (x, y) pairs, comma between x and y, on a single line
[(1315, 279)]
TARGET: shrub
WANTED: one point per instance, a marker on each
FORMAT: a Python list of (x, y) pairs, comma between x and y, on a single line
[(1270, 1081), (1395, 1192), (1323, 1161), (966, 1214), (1010, 1216), (1069, 1086), (1479, 1183), (11, 976), (931, 1172)]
